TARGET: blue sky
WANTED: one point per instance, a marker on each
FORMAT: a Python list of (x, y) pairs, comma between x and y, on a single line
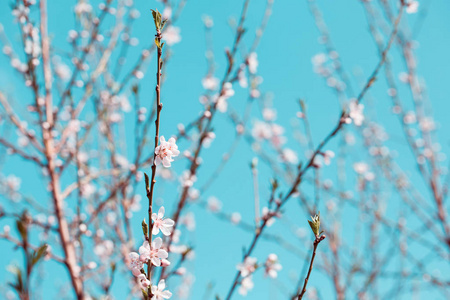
[(285, 52)]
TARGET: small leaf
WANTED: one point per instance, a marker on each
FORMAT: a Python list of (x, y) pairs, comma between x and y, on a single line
[(157, 19), (39, 254), (157, 43), (314, 227), (315, 224), (144, 293), (144, 228), (254, 163), (163, 23), (22, 229), (147, 183), (302, 105), (113, 267), (274, 183)]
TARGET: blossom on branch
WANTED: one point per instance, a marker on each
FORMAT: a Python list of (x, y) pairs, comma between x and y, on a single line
[(272, 266), (356, 112), (159, 223), (246, 285), (248, 266), (135, 264), (154, 254), (158, 291), (165, 151), (144, 283)]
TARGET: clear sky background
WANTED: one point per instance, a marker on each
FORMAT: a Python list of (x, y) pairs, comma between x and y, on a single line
[(285, 52)]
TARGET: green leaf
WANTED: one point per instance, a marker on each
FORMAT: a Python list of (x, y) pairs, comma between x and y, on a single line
[(157, 43), (157, 19), (147, 183), (274, 183), (37, 255), (22, 229), (18, 285), (144, 293), (314, 227), (302, 105), (163, 23), (144, 228), (135, 89), (315, 224)]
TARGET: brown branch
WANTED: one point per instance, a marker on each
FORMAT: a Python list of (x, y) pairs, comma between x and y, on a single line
[(316, 243), (63, 228)]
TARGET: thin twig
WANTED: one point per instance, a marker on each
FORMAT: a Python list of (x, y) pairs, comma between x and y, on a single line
[(316, 243)]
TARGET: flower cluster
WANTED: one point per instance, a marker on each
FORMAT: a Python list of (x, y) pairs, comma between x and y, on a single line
[(165, 152), (250, 265), (221, 101), (272, 266), (356, 113), (153, 253), (247, 268)]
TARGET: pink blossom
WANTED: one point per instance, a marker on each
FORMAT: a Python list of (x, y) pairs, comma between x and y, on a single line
[(172, 35), (227, 92), (248, 266), (214, 204), (165, 151), (135, 264), (235, 218), (427, 124), (261, 131), (252, 62), (289, 156), (159, 223), (144, 283), (82, 8), (363, 169), (356, 112), (188, 221), (269, 114), (277, 138), (210, 83), (412, 7), (21, 13), (13, 183), (327, 156), (243, 82), (272, 266), (167, 13), (269, 215), (158, 291), (409, 117), (193, 194), (255, 93), (360, 167), (246, 285), (154, 253), (187, 179)]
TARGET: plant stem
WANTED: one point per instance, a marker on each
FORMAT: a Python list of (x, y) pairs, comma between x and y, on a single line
[(316, 243), (153, 181), (49, 151)]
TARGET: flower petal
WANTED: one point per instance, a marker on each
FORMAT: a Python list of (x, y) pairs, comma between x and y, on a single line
[(161, 212), (157, 243), (162, 285)]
